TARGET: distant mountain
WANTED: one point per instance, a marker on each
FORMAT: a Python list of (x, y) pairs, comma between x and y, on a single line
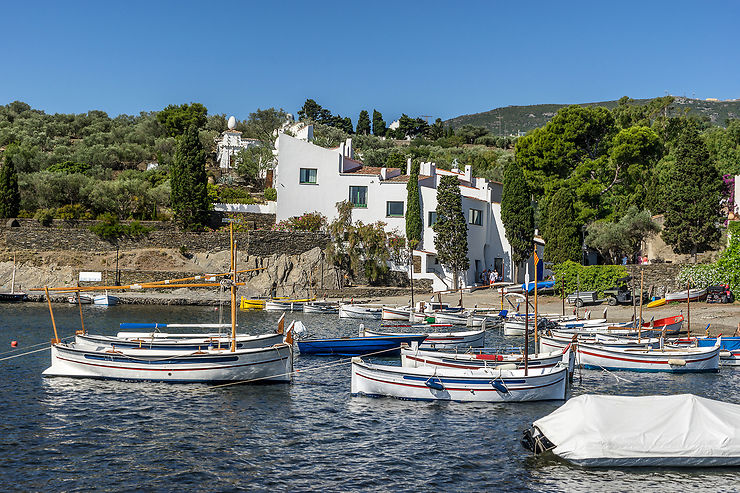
[(512, 119)]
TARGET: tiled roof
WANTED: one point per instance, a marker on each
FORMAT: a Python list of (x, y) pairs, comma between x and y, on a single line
[(369, 170)]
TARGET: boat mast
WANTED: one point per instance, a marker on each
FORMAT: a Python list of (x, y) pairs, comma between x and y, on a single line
[(51, 312), (688, 308), (526, 322), (12, 281), (536, 259), (233, 289), (639, 327)]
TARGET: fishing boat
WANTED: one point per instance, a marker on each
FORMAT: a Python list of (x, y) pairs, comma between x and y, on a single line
[(252, 304), (667, 359), (192, 342), (285, 305), (466, 319), (388, 345), (440, 340), (12, 296), (105, 300), (413, 358), (396, 313), (325, 307), (84, 299), (650, 431), (515, 326), (501, 384), (729, 354), (694, 294), (367, 312)]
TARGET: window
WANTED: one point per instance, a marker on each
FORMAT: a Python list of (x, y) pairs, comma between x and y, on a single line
[(476, 217), (358, 196), (308, 175), (394, 209), (432, 218)]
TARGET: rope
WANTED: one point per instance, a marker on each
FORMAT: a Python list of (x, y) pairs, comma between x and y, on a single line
[(29, 352), (615, 376), (295, 372), (29, 347)]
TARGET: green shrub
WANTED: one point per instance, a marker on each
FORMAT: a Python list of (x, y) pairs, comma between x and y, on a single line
[(310, 221), (73, 212), (592, 277), (270, 194), (44, 216), (726, 270)]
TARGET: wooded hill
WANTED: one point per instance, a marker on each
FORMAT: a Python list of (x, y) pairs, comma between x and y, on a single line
[(512, 119)]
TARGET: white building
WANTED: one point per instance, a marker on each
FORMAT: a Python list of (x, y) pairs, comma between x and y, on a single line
[(312, 178), (231, 143)]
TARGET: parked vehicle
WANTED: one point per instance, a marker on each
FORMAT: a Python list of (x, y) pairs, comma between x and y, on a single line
[(581, 298), (622, 293), (720, 294)]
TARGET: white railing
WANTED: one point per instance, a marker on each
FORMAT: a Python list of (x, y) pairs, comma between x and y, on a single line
[(269, 208)]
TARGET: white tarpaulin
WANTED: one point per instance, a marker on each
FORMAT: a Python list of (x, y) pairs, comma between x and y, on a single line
[(90, 277), (674, 430)]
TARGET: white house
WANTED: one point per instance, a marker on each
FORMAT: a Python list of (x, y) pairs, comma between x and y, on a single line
[(230, 143), (312, 178)]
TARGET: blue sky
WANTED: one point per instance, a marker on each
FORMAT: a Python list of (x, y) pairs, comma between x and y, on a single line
[(433, 58)]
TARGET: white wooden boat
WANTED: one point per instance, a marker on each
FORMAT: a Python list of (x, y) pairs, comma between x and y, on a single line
[(369, 312), (85, 299), (105, 300), (553, 340), (273, 363), (285, 306), (173, 341), (413, 358), (694, 295), (396, 313), (668, 359), (439, 340), (466, 319), (502, 384), (653, 431), (325, 307)]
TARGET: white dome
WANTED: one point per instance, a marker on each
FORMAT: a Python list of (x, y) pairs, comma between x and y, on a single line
[(232, 122)]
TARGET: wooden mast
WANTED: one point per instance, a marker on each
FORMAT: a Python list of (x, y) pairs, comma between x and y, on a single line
[(688, 308), (51, 312), (536, 259), (526, 323), (79, 305), (233, 289), (639, 327)]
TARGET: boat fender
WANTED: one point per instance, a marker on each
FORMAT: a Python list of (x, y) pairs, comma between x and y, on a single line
[(677, 362), (500, 386), (722, 354), (508, 366), (434, 383)]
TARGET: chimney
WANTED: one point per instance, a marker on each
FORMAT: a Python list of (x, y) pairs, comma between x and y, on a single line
[(383, 173), (469, 173), (348, 149), (408, 166)]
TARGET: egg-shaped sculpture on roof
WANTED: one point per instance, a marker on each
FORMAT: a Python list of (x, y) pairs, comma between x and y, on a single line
[(232, 122)]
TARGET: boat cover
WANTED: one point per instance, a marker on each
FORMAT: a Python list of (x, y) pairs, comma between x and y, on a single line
[(673, 430), (728, 343)]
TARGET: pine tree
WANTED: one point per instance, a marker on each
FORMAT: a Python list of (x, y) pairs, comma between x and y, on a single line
[(517, 214), (189, 182), (378, 124), (451, 239), (10, 197), (693, 191), (562, 239), (413, 208), (363, 123)]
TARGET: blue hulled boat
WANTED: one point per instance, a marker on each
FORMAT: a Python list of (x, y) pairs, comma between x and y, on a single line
[(386, 345)]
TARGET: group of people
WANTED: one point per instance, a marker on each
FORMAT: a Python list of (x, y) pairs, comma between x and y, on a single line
[(489, 276)]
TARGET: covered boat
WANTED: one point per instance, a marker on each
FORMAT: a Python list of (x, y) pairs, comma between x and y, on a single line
[(617, 431), (501, 384)]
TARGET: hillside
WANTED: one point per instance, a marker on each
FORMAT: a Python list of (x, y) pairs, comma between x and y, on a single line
[(512, 119)]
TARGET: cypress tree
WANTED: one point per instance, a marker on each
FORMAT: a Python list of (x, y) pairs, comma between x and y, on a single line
[(363, 123), (413, 208), (189, 182), (692, 193), (562, 239), (451, 239), (378, 124), (10, 197), (517, 214)]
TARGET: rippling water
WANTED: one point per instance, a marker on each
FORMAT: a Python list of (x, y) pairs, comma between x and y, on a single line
[(77, 435)]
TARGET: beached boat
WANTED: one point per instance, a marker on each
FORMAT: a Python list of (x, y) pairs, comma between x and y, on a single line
[(694, 294), (385, 345), (413, 358), (440, 340), (325, 307), (501, 384), (652, 431), (12, 296), (84, 299), (367, 312), (667, 359), (105, 300), (657, 303)]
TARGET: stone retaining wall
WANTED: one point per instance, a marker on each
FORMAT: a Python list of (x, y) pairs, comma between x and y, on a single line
[(76, 236), (661, 276)]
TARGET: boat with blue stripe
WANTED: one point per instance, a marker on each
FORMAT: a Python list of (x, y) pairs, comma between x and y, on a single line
[(387, 345)]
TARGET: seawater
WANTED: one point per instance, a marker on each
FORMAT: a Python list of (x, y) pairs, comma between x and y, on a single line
[(59, 434)]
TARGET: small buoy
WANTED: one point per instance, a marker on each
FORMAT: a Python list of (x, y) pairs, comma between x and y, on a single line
[(14, 344)]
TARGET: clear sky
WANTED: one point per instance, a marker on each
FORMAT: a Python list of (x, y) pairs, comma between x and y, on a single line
[(437, 58)]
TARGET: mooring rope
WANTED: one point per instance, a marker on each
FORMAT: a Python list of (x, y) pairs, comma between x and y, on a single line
[(302, 370), (28, 347), (24, 354)]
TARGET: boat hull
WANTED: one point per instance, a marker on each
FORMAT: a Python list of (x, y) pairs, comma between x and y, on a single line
[(395, 314), (189, 344), (457, 319), (13, 297), (272, 364), (480, 385), (326, 309), (694, 295), (105, 300), (361, 312), (357, 346), (285, 306), (415, 359), (596, 357)]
